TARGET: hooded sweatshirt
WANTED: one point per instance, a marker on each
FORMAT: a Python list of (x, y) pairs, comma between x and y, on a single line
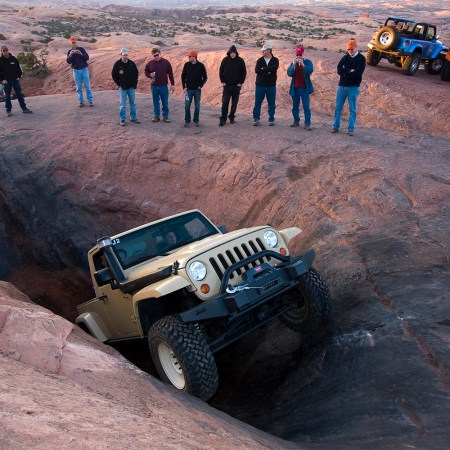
[(232, 70)]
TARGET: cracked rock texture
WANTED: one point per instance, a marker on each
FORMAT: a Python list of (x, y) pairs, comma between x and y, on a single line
[(374, 206)]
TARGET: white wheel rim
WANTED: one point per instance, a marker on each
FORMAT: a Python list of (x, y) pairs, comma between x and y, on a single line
[(385, 38), (171, 366)]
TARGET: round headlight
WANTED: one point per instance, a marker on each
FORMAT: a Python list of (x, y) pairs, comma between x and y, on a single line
[(197, 271), (271, 238)]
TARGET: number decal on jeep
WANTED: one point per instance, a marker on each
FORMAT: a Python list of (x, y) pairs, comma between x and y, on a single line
[(115, 241)]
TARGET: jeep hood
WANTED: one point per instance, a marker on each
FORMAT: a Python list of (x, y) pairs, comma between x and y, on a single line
[(183, 254)]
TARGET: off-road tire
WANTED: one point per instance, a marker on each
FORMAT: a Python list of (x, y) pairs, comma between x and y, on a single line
[(373, 57), (434, 67), (445, 72), (313, 304), (387, 38), (182, 357), (411, 64)]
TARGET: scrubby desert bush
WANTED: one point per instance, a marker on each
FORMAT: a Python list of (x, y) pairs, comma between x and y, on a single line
[(35, 66)]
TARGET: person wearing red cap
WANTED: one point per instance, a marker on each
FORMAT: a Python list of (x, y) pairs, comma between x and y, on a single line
[(301, 87), (350, 69), (193, 78), (78, 57)]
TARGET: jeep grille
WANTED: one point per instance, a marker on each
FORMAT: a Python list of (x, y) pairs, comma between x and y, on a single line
[(226, 258)]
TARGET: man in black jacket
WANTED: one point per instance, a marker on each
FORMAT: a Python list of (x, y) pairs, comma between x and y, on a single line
[(266, 84), (232, 75), (350, 69), (193, 77), (10, 74), (125, 74)]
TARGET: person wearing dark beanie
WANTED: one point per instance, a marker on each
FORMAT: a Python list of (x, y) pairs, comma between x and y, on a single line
[(232, 75)]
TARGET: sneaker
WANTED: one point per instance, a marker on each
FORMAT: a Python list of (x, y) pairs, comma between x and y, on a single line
[(308, 127), (221, 123), (26, 111), (91, 104), (135, 121), (231, 120), (350, 133), (8, 113), (122, 123), (271, 124), (166, 119), (81, 104), (294, 124), (186, 124), (335, 130), (256, 123), (155, 119)]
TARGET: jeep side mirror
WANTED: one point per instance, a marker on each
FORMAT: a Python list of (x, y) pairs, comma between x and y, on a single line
[(222, 229), (103, 276)]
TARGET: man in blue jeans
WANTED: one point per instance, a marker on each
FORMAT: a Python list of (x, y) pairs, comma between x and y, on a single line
[(159, 70), (266, 81), (301, 87), (77, 57), (10, 74), (350, 69), (125, 74), (193, 78)]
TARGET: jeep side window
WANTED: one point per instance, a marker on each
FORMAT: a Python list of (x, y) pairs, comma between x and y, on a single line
[(431, 33)]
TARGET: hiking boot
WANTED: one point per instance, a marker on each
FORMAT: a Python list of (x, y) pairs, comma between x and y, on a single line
[(186, 124), (308, 127), (155, 119), (197, 124), (26, 111), (221, 123), (166, 119), (350, 133), (81, 104), (135, 121), (122, 123), (335, 130), (231, 120), (256, 123), (271, 124), (294, 124)]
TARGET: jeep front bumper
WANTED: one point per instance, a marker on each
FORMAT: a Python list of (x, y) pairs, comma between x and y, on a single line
[(262, 283)]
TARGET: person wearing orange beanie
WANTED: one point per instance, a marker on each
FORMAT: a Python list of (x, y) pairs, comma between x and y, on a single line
[(350, 70), (193, 77)]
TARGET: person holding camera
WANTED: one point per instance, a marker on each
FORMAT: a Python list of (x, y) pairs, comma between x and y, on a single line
[(300, 71), (77, 57)]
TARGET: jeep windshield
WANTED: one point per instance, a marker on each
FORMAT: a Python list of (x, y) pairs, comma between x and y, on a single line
[(161, 238)]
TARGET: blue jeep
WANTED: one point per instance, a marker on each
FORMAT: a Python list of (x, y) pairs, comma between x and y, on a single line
[(406, 44)]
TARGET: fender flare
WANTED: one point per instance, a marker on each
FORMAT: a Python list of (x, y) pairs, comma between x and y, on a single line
[(95, 325)]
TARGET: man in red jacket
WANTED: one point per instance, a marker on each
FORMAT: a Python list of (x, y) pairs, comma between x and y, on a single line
[(159, 70)]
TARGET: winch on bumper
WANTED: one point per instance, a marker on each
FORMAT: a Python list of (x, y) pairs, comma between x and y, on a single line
[(262, 283)]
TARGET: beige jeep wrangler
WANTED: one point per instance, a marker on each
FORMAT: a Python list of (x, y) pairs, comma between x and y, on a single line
[(191, 289)]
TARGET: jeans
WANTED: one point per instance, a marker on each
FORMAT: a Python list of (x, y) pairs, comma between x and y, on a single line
[(123, 94), (81, 77), (341, 95), (160, 92), (8, 88), (301, 93), (229, 92), (270, 93), (196, 95)]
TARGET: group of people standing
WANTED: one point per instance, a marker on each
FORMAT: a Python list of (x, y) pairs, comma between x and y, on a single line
[(232, 74)]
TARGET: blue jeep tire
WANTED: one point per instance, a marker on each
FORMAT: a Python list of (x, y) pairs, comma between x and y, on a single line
[(411, 64)]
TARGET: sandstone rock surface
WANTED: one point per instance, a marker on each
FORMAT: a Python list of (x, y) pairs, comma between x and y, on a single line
[(62, 389), (374, 206)]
